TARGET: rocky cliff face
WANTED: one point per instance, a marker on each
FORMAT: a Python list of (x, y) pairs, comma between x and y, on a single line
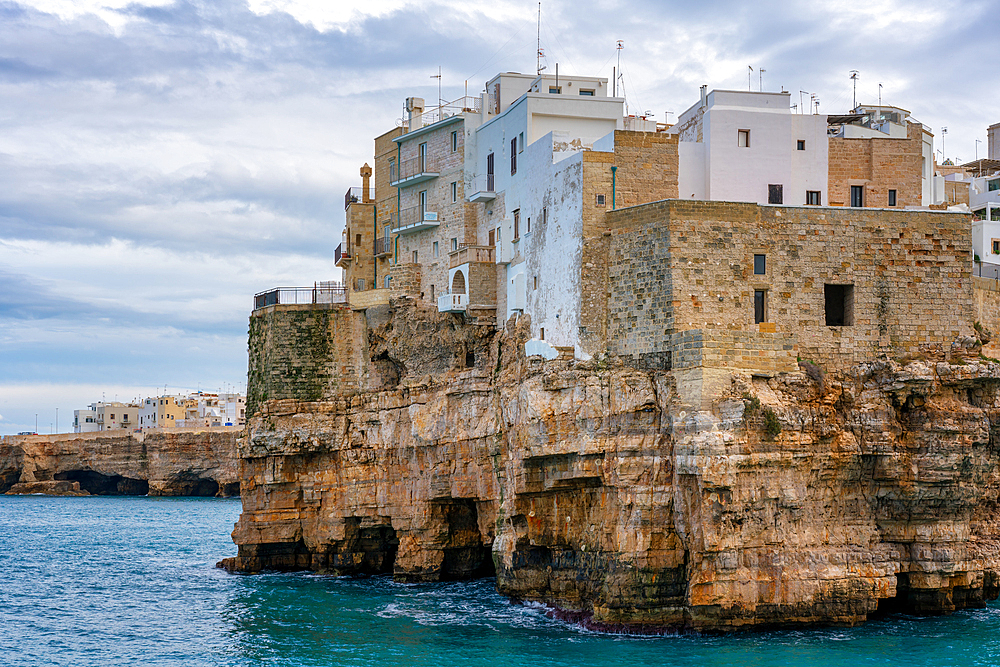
[(798, 499), (158, 463)]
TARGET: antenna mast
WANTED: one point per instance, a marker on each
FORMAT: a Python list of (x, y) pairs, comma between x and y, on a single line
[(854, 78), (538, 41)]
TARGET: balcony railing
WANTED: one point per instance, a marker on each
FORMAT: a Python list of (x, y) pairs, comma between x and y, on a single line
[(323, 292), (450, 303), (354, 195), (471, 253), (342, 252), (383, 246), (453, 108), (483, 188), (414, 219), (414, 170)]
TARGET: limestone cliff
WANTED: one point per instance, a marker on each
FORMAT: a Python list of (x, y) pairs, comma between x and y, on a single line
[(157, 463), (593, 487)]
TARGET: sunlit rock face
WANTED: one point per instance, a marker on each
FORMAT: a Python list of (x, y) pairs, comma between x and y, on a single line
[(588, 486)]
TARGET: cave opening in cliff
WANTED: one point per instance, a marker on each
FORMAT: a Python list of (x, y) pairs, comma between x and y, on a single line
[(369, 549), (105, 485), (465, 556)]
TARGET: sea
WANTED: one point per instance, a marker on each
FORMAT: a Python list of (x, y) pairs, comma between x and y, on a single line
[(105, 581)]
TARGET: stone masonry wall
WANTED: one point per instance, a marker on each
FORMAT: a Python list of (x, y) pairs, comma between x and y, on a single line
[(986, 295), (879, 165), (911, 278), (301, 352)]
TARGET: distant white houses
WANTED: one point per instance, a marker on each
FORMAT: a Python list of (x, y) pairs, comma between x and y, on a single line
[(194, 410)]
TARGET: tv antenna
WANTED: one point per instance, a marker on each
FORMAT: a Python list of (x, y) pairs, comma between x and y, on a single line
[(760, 72), (539, 53), (749, 75), (438, 77), (944, 132), (854, 78)]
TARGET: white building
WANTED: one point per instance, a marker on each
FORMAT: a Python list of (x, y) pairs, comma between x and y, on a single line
[(984, 200), (750, 147), (106, 416)]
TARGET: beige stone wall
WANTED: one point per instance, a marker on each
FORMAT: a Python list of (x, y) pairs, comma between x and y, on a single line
[(986, 307), (360, 232), (879, 165), (457, 218), (385, 195), (911, 277), (406, 278)]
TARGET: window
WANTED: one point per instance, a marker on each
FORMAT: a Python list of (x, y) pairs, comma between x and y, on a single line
[(529, 225), (454, 244), (387, 279), (586, 93), (423, 157), (892, 197), (555, 90), (813, 198), (534, 283), (744, 139), (513, 156), (435, 246), (800, 145), (996, 246), (423, 204), (414, 256), (993, 185), (979, 214), (600, 200), (357, 240), (774, 194), (995, 213), (359, 285), (520, 142), (759, 265), (493, 238), (839, 305), (392, 170), (454, 142), (542, 333), (432, 292), (454, 191), (545, 215), (517, 224), (857, 196), (759, 303)]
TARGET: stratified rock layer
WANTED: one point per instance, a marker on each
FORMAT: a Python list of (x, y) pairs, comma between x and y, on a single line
[(589, 486), (157, 463)]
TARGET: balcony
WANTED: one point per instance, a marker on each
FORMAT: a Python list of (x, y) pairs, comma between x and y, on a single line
[(483, 189), (322, 292), (471, 253), (355, 195), (414, 219), (342, 254), (383, 247), (452, 303), (416, 170)]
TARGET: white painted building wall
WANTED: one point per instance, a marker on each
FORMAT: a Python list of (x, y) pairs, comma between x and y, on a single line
[(723, 170)]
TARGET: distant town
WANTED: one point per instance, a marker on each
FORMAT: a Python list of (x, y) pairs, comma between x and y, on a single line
[(194, 410)]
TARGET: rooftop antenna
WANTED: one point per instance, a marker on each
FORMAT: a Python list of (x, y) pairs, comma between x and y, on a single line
[(854, 78), (802, 104), (438, 77), (761, 82), (944, 131), (977, 149), (749, 75), (880, 101), (538, 43), (619, 45)]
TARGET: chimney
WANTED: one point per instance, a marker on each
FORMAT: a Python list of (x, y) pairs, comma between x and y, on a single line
[(704, 96), (415, 107), (366, 174)]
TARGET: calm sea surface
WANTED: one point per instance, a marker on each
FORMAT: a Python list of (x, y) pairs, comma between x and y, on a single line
[(131, 581)]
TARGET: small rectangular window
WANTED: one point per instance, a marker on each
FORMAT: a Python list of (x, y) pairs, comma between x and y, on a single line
[(993, 185), (995, 213), (513, 156), (542, 333), (813, 198), (800, 145), (534, 283), (493, 238), (744, 139), (555, 90), (996, 247), (759, 265), (454, 142), (517, 224), (454, 191), (520, 142), (857, 196), (839, 305), (528, 231), (587, 93), (600, 200), (892, 197), (979, 214), (545, 215), (435, 245), (774, 194), (759, 304), (454, 244), (414, 256)]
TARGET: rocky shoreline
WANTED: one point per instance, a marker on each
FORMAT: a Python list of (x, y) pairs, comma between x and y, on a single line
[(795, 500)]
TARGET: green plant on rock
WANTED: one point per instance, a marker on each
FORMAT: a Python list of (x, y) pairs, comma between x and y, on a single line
[(772, 425), (751, 404)]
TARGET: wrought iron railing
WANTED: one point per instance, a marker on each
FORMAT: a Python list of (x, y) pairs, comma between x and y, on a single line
[(354, 195), (412, 216), (415, 166), (343, 251), (321, 292), (383, 246), (453, 108)]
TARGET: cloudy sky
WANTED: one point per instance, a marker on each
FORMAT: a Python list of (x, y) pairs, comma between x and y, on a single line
[(161, 161)]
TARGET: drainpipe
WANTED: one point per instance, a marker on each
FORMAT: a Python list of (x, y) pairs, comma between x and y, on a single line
[(614, 168), (374, 240), (399, 172)]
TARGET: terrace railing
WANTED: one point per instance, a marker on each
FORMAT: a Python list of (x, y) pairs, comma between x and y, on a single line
[(320, 292)]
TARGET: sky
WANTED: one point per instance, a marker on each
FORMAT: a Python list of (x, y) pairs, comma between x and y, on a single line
[(162, 161)]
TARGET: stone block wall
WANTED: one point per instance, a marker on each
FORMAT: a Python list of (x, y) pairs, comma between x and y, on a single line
[(879, 165), (406, 278), (683, 265), (481, 283), (303, 352), (360, 232), (647, 167), (764, 352), (986, 295)]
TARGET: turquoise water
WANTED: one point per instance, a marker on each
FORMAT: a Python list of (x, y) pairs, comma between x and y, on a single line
[(131, 581)]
